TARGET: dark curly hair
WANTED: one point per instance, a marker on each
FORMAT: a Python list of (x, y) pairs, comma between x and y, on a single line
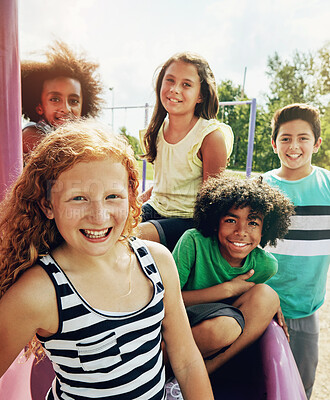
[(219, 194), (61, 61)]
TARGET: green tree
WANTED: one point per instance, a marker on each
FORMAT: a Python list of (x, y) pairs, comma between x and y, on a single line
[(237, 116), (322, 158), (292, 81), (323, 69), (132, 140), (303, 79)]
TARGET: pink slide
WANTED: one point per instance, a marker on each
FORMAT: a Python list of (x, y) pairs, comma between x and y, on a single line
[(27, 379)]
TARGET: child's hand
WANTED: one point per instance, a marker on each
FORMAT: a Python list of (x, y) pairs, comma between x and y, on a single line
[(281, 321), (145, 196), (239, 285)]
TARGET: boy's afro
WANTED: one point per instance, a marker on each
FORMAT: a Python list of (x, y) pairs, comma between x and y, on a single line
[(219, 194)]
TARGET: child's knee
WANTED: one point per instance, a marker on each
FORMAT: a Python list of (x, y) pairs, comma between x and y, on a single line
[(266, 297), (260, 298), (220, 331)]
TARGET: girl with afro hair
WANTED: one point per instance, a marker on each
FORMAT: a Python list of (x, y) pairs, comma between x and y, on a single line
[(64, 87)]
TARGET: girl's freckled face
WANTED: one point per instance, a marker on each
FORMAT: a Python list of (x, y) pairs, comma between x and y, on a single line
[(90, 205)]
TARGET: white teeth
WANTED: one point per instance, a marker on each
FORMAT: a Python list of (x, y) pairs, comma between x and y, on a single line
[(95, 234), (174, 100), (239, 244), (293, 155)]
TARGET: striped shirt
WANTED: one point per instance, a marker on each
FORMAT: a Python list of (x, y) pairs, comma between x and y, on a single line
[(104, 355), (304, 253)]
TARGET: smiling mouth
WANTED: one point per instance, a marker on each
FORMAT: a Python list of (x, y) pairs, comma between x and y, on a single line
[(95, 234), (239, 244), (174, 100), (64, 117), (294, 156)]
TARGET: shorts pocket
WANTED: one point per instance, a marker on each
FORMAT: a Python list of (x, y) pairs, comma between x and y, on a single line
[(102, 353)]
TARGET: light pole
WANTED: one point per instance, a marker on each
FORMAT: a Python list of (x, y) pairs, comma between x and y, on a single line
[(112, 90)]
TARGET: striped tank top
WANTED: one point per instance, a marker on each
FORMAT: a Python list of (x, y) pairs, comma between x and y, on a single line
[(102, 356)]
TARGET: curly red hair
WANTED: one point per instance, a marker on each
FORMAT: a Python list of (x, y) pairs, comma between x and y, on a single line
[(25, 232)]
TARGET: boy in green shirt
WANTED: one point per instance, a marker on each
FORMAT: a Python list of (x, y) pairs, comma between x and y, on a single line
[(222, 269)]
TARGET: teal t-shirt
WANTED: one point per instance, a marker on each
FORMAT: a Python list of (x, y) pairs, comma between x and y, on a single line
[(201, 265), (304, 253)]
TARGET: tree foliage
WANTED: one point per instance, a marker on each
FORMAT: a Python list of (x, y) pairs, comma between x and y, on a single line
[(238, 118), (304, 78), (132, 140)]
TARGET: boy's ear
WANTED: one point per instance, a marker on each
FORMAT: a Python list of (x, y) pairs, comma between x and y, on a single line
[(274, 146), (317, 145), (39, 109), (47, 209)]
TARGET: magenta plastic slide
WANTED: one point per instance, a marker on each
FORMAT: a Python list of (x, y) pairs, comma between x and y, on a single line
[(266, 370)]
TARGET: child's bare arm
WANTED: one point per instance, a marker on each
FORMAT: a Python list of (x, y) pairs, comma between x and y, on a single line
[(31, 138), (185, 358), (235, 287), (213, 154), (24, 309), (145, 196)]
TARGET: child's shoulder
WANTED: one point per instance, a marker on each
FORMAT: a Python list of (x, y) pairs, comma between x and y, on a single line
[(322, 171), (195, 235), (163, 259), (34, 290), (262, 254), (264, 261), (157, 250)]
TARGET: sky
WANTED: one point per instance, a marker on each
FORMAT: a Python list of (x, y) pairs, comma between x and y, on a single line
[(130, 39)]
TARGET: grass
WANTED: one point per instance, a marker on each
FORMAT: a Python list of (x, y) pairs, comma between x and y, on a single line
[(150, 172)]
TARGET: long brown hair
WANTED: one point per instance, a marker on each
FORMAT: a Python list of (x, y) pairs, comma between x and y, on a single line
[(207, 109)]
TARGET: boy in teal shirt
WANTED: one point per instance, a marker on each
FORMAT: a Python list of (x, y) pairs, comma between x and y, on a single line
[(304, 254), (222, 269)]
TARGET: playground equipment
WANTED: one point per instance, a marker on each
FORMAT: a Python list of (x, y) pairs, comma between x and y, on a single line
[(11, 161), (266, 370)]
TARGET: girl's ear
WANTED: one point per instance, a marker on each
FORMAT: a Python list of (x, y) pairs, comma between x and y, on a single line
[(39, 109), (200, 98), (47, 209)]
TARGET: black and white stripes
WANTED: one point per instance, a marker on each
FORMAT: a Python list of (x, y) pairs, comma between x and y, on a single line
[(98, 355)]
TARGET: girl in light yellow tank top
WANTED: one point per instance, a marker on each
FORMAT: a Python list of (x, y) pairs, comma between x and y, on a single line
[(185, 143)]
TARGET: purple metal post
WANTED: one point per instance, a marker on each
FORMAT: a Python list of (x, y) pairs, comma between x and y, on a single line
[(252, 126), (11, 161), (144, 163)]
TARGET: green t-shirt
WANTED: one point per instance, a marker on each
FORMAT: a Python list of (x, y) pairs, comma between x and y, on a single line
[(201, 265)]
